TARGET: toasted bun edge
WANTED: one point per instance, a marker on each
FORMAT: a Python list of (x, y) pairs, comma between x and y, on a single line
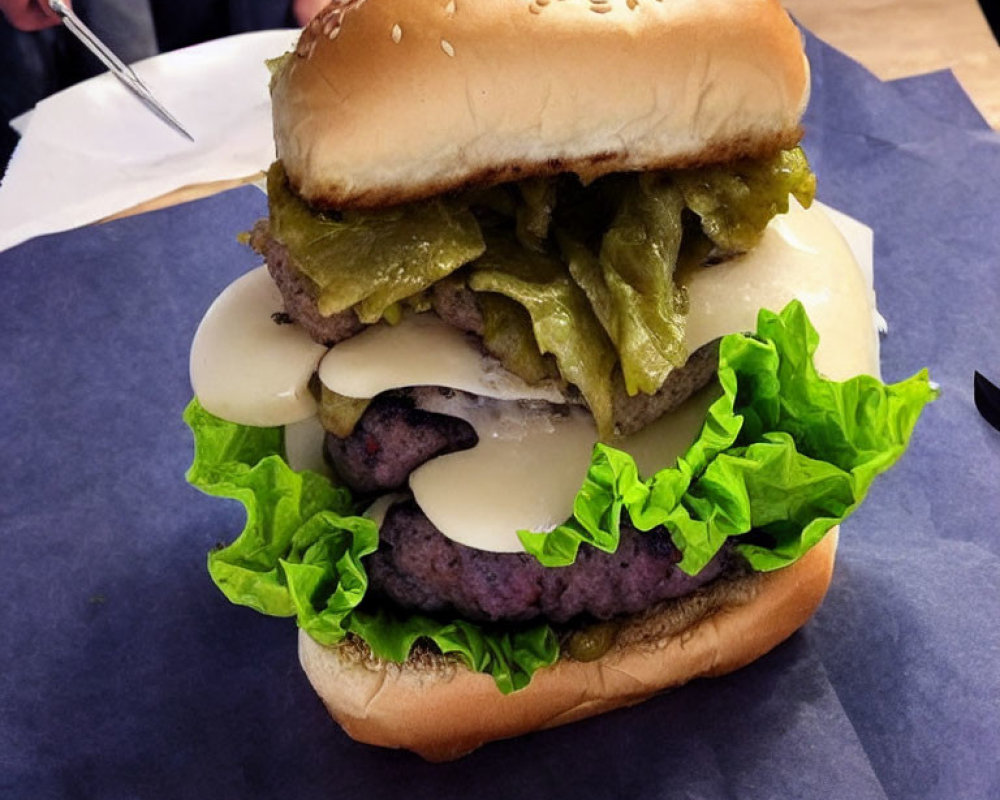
[(386, 101), (440, 710)]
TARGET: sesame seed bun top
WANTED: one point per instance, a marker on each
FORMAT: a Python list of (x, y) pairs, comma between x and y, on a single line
[(385, 101)]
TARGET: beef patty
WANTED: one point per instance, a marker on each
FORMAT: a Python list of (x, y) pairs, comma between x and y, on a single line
[(418, 567), (391, 439)]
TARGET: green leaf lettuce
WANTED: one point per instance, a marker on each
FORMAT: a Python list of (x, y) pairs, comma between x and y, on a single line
[(300, 554), (784, 454)]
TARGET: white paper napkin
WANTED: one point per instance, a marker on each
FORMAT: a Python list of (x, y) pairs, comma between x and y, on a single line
[(93, 149)]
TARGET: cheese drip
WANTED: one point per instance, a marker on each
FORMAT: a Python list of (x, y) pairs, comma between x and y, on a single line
[(522, 475), (246, 367)]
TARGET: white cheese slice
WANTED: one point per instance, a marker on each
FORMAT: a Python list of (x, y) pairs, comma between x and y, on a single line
[(304, 446), (421, 350), (861, 239), (804, 256), (522, 475), (245, 367)]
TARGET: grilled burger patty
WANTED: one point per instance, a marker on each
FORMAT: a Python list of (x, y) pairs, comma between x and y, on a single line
[(300, 305), (417, 567), (393, 438)]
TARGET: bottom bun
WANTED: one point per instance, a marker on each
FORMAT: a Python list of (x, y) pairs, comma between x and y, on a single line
[(439, 709)]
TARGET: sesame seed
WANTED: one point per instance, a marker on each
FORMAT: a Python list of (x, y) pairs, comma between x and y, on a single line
[(397, 33), (448, 49), (306, 47), (632, 4), (600, 9), (450, 8), (534, 9)]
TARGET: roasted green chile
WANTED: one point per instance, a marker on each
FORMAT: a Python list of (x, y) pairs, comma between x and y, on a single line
[(593, 266), (369, 261), (592, 642), (735, 202)]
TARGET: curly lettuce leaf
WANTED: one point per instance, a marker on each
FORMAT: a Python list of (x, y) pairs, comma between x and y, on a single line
[(301, 554), (511, 657), (784, 453)]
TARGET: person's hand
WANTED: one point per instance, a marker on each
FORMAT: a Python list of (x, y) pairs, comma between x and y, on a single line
[(304, 10), (29, 15)]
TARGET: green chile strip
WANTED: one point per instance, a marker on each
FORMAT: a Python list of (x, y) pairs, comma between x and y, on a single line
[(369, 261), (592, 265)]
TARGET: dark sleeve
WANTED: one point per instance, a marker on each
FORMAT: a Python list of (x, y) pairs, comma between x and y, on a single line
[(260, 15), (180, 23)]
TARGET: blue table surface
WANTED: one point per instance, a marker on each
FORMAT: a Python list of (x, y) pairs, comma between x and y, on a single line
[(124, 673)]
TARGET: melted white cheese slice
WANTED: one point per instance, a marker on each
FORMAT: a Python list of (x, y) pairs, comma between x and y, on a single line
[(247, 368), (422, 350), (804, 256), (522, 475)]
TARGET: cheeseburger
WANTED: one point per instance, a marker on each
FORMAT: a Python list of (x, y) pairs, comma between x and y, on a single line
[(551, 394)]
